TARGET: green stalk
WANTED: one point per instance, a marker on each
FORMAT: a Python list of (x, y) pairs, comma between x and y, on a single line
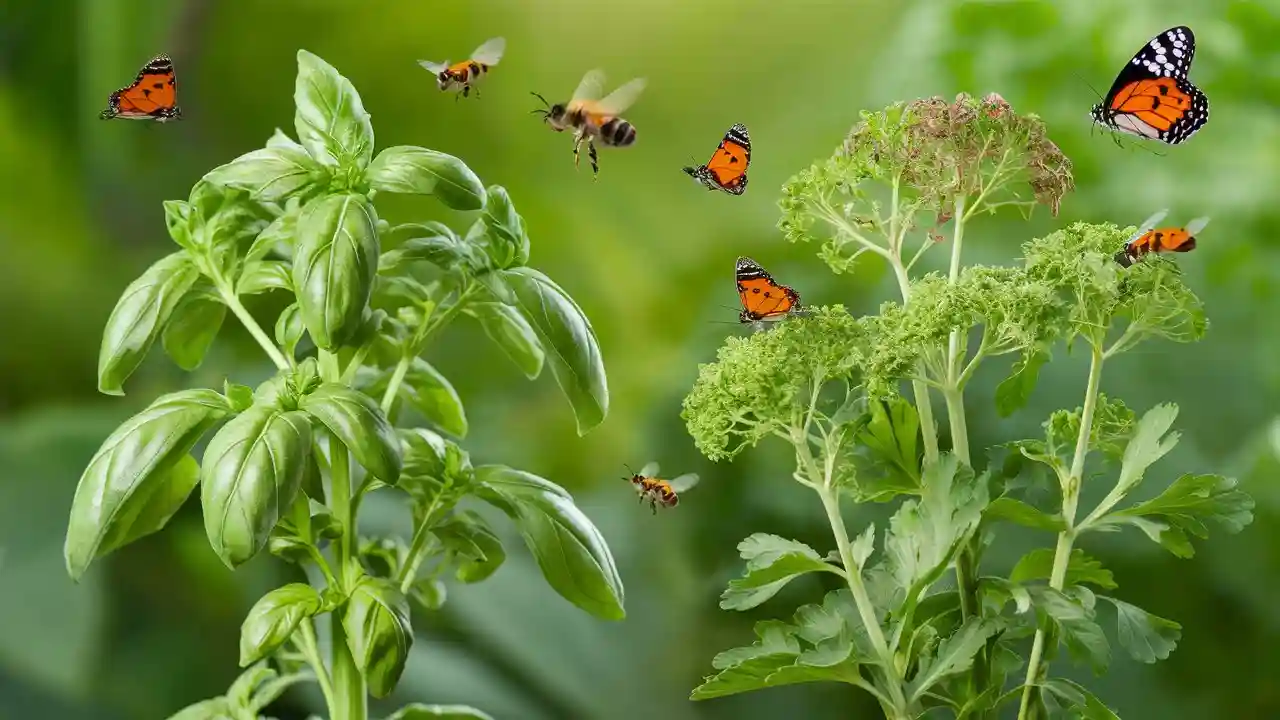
[(273, 352), (349, 692), (853, 574), (821, 483), (418, 546), (1070, 500), (924, 406), (417, 345)]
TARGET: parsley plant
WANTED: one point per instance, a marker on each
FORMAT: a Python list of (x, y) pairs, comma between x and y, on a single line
[(829, 385)]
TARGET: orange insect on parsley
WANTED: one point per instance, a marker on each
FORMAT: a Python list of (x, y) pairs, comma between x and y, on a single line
[(464, 75), (658, 491), (1152, 97), (763, 299), (727, 168), (152, 96), (1149, 239)]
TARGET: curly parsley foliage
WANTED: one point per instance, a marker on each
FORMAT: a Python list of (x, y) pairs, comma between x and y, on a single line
[(1146, 300), (761, 384), (1011, 311), (916, 643), (922, 156)]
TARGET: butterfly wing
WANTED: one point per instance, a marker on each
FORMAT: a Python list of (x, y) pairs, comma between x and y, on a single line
[(152, 96), (1152, 97), (434, 68), (762, 298), (490, 52), (728, 165), (684, 482)]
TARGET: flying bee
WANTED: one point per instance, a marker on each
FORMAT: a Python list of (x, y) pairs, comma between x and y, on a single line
[(594, 119), (463, 75), (658, 491), (1149, 239)]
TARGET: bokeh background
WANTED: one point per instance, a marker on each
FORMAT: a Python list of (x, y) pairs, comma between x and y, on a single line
[(648, 255)]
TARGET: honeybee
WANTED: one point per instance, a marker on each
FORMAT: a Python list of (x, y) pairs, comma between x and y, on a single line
[(658, 491), (593, 119), (463, 75), (1149, 239)]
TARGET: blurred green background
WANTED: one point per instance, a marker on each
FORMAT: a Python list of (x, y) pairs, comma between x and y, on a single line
[(648, 255)]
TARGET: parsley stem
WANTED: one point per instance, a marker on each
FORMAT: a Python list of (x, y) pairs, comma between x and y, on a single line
[(853, 574), (1070, 499)]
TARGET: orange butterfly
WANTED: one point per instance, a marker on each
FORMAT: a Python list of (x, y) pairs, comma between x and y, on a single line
[(1152, 97), (763, 300), (1151, 239), (152, 96), (727, 168)]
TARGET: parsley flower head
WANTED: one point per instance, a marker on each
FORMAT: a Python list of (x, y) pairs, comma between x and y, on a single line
[(759, 383)]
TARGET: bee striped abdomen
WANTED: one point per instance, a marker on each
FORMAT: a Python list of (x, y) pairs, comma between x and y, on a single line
[(617, 132)]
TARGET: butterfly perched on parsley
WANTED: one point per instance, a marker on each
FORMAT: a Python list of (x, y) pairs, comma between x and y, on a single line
[(152, 96), (727, 168), (1149, 239), (763, 299), (1152, 97)]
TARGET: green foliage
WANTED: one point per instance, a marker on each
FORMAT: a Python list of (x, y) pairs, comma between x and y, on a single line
[(829, 385), (763, 383), (772, 562), (293, 459)]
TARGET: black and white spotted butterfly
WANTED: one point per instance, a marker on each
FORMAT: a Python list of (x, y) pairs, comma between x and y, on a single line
[(1152, 98)]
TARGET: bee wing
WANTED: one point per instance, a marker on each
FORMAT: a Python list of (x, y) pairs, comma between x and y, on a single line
[(434, 68), (616, 102), (590, 87), (649, 470), (1149, 223), (684, 482), (1195, 226), (490, 52)]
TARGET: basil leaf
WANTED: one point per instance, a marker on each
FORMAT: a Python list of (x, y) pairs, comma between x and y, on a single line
[(252, 470), (140, 476), (289, 329), (505, 242), (378, 633), (331, 121), (409, 169), (418, 711), (508, 329), (139, 316), (260, 276), (273, 619), (431, 394), (357, 421), (271, 174), (477, 551), (574, 352), (194, 324), (334, 266), (569, 549)]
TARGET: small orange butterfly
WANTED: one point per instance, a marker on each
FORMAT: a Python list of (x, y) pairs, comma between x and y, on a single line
[(1149, 239), (763, 299), (727, 168), (152, 96)]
